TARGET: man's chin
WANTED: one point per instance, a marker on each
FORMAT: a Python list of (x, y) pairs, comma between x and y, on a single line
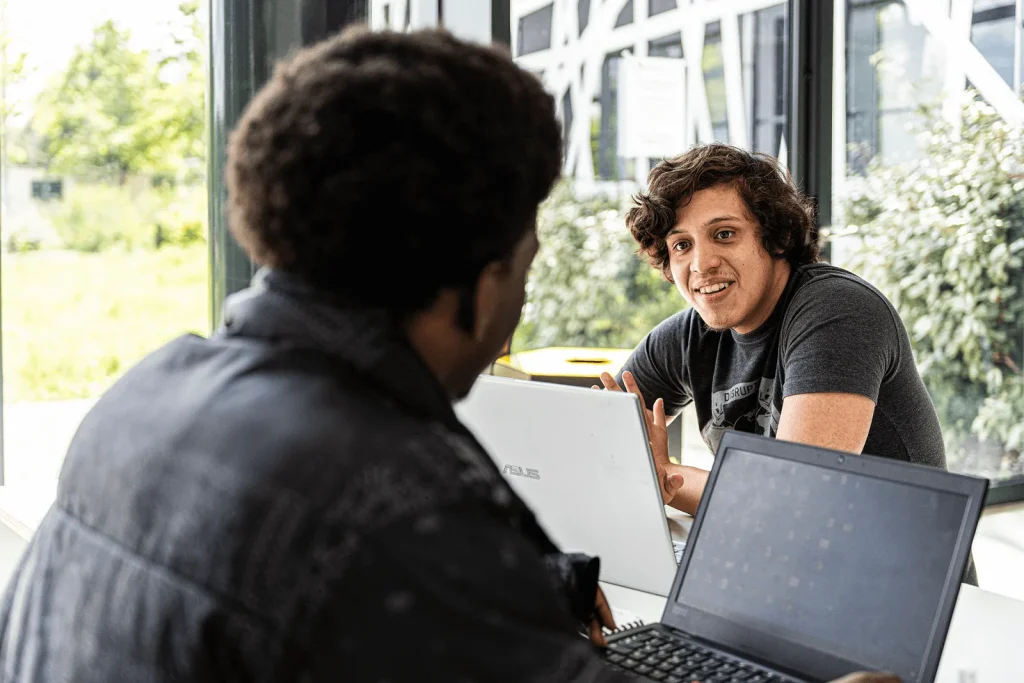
[(715, 324)]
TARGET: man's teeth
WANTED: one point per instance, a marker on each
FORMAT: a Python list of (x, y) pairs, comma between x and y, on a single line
[(711, 289)]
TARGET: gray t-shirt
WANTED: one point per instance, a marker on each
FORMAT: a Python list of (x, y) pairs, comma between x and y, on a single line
[(830, 332)]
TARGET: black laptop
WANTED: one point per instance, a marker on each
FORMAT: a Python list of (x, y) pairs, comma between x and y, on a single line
[(805, 564)]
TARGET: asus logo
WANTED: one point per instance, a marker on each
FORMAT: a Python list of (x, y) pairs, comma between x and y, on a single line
[(521, 472)]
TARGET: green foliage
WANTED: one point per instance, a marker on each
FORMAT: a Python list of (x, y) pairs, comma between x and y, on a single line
[(182, 218), (97, 217), (943, 237), (15, 70), (117, 112), (184, 76), (74, 322), (587, 286)]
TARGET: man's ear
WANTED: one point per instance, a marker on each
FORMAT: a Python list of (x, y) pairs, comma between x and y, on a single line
[(489, 288)]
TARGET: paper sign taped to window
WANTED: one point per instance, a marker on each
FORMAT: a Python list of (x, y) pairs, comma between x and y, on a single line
[(651, 106)]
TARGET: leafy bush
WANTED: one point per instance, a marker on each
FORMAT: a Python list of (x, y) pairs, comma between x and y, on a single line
[(22, 239), (587, 286), (99, 217), (182, 220), (943, 237)]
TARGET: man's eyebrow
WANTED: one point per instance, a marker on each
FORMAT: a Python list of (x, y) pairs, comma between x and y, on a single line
[(714, 221), (721, 219)]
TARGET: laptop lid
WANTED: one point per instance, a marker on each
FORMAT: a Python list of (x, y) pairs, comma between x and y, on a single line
[(581, 461), (822, 563)]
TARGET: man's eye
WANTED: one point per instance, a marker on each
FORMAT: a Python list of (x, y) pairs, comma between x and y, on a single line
[(725, 234), (681, 245)]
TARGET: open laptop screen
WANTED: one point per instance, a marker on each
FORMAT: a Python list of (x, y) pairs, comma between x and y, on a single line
[(841, 562)]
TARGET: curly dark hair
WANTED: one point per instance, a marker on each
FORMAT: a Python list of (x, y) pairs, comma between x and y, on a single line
[(785, 215), (386, 167)]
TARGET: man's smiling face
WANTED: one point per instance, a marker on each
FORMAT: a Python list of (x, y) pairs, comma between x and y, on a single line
[(719, 263)]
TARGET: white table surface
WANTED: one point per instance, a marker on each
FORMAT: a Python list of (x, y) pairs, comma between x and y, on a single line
[(986, 635)]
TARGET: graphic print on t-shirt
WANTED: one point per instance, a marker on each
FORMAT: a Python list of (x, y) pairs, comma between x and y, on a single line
[(746, 407)]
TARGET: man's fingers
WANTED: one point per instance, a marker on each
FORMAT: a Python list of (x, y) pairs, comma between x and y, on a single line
[(596, 636), (629, 382), (869, 678), (604, 611), (609, 382), (659, 414), (673, 482)]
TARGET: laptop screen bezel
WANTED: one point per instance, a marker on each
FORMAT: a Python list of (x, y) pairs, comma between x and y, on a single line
[(792, 656)]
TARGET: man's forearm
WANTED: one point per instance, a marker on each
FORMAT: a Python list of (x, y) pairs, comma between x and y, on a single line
[(688, 497)]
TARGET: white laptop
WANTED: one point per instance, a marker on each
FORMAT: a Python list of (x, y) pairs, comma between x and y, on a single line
[(581, 461)]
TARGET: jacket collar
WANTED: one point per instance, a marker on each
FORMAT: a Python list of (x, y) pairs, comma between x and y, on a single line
[(280, 308)]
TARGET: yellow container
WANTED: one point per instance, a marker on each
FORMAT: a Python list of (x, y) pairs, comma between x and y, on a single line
[(562, 365)]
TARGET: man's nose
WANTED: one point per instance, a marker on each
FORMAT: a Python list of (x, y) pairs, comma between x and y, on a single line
[(704, 258)]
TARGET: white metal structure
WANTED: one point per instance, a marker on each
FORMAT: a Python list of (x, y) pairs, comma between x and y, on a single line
[(573, 63), (570, 63)]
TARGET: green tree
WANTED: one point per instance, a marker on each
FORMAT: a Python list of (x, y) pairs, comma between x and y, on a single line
[(13, 70), (943, 237), (183, 72), (587, 286), (116, 112)]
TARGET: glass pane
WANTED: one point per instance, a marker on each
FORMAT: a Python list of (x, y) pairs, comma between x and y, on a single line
[(659, 6), (669, 46), (535, 31), (764, 63), (104, 244), (994, 40), (626, 15), (583, 8), (566, 118), (906, 54), (713, 66), (933, 218), (981, 5), (607, 162)]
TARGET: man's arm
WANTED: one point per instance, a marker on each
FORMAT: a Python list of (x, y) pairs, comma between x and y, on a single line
[(841, 342), (688, 496), (829, 420)]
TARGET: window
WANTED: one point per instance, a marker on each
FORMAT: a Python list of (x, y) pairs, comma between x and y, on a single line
[(929, 201), (608, 163), (669, 46), (566, 117), (103, 251), (583, 10), (763, 35), (993, 32), (535, 31), (659, 6), (713, 64), (626, 15)]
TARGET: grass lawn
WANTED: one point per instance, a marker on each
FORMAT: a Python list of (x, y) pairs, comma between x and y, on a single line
[(73, 322)]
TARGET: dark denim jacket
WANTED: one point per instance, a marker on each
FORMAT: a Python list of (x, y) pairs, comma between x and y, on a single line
[(290, 500)]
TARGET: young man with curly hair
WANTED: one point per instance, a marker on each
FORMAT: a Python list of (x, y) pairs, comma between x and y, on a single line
[(294, 499), (774, 342)]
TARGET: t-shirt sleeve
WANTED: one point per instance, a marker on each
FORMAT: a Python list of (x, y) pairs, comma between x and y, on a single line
[(458, 596), (840, 336), (658, 364)]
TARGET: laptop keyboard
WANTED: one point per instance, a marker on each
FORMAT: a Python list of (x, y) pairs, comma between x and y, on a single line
[(661, 657)]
